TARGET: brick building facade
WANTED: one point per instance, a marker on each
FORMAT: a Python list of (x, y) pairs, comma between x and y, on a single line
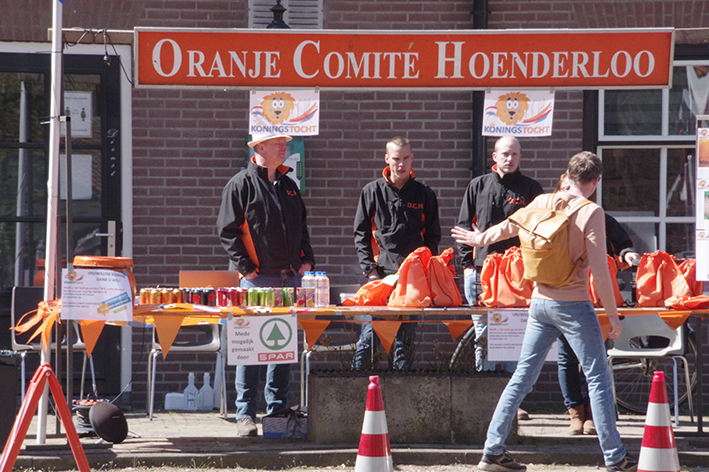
[(187, 143)]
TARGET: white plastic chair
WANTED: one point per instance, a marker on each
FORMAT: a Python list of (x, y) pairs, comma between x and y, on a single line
[(210, 342), (635, 326)]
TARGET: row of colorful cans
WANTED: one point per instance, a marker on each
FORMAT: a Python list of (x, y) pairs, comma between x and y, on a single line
[(157, 296), (230, 296), (261, 296)]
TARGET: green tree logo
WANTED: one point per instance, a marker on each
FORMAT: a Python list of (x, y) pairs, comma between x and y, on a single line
[(272, 334)]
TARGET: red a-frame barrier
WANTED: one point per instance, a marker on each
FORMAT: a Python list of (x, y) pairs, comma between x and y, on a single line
[(22, 423)]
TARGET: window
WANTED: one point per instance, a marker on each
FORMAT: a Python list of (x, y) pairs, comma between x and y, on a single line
[(300, 14), (647, 144)]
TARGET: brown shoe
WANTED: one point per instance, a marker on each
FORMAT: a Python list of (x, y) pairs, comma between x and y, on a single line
[(588, 426), (577, 418)]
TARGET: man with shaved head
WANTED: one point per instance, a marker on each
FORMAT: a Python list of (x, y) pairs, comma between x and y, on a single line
[(490, 199)]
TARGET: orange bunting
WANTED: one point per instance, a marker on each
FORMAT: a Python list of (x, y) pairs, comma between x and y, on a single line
[(674, 320), (90, 332), (43, 320), (386, 330), (456, 328), (167, 327), (313, 330)]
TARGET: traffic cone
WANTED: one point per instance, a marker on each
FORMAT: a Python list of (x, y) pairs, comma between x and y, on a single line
[(374, 453), (658, 450)]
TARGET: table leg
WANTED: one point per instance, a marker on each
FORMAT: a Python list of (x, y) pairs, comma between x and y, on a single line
[(700, 374)]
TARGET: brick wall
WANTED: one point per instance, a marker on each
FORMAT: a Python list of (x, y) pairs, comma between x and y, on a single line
[(188, 143)]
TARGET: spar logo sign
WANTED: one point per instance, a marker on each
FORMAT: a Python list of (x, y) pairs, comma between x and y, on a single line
[(275, 334), (263, 340)]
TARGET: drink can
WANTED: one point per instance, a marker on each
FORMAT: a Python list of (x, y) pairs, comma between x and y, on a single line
[(254, 297), (268, 297), (222, 296), (288, 296), (178, 295), (305, 297), (278, 296), (144, 296), (209, 296), (166, 296), (154, 296), (241, 296), (195, 296)]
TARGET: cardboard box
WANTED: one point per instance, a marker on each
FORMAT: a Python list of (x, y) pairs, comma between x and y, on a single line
[(276, 427)]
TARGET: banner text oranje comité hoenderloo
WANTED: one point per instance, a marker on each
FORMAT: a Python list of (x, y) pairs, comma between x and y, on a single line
[(250, 59)]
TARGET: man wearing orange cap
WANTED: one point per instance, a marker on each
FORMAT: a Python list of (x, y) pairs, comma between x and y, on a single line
[(262, 226)]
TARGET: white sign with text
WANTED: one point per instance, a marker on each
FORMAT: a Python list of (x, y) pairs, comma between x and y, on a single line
[(261, 340), (505, 332), (96, 294)]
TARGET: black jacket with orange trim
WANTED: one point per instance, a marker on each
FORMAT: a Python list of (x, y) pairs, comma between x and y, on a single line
[(489, 200), (391, 223), (262, 224)]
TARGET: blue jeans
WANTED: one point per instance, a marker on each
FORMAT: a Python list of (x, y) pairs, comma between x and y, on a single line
[(472, 290), (403, 347), (277, 375), (578, 322), (571, 380)]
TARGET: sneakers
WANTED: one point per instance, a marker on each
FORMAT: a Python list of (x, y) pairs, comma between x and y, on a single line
[(501, 463), (522, 415), (246, 427), (628, 464)]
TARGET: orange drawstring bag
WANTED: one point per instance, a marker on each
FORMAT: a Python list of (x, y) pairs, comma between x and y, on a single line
[(374, 293), (441, 276), (413, 289), (688, 267), (659, 278), (613, 270), (502, 281)]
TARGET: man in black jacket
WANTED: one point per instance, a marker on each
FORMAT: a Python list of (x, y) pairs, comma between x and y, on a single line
[(262, 226), (395, 215), (489, 200)]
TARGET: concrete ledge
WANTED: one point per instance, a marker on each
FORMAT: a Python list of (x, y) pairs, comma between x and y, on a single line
[(420, 408)]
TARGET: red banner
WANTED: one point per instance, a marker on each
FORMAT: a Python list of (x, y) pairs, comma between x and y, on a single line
[(251, 59)]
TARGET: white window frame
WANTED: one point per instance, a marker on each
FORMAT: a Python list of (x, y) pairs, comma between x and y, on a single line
[(665, 136), (662, 220)]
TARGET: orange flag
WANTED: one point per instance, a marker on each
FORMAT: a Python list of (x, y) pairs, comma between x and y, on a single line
[(456, 328), (386, 330), (90, 332), (167, 327), (313, 329)]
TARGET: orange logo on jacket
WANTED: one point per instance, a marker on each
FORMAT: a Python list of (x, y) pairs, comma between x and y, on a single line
[(516, 201), (415, 206), (291, 193)]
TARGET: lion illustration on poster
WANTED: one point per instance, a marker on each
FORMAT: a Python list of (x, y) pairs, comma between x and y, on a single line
[(511, 107), (277, 107)]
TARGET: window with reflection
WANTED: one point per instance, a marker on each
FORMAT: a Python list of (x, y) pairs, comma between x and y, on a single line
[(633, 112), (630, 181)]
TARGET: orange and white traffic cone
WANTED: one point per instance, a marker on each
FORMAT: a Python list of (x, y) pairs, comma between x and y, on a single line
[(374, 453), (658, 450)]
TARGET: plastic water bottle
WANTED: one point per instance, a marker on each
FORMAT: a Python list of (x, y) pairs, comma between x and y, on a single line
[(308, 280), (205, 397), (190, 393), (322, 289)]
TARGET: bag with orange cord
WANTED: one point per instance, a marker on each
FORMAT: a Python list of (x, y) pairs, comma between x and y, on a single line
[(412, 288), (373, 293), (658, 279), (502, 281), (441, 277), (613, 270)]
